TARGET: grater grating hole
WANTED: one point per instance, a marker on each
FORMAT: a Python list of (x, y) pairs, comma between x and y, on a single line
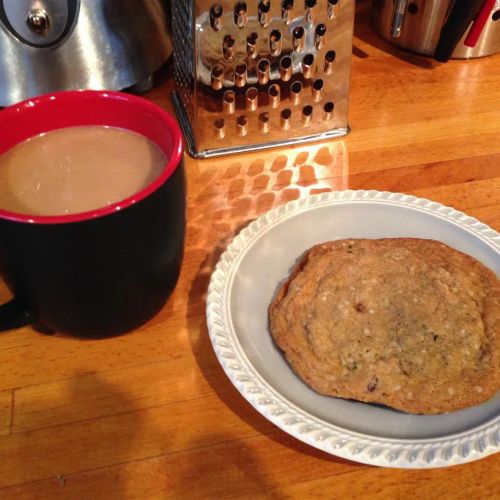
[(310, 4), (330, 56), (275, 42), (307, 112), (263, 71), (228, 47), (331, 8), (264, 7), (319, 39), (252, 97), (242, 125), (217, 77), (308, 65), (320, 30), (229, 101), (252, 45), (295, 91), (286, 68), (318, 84), (328, 111), (264, 122), (286, 7), (329, 60), (298, 39), (240, 8), (317, 88), (286, 119), (240, 14), (252, 38), (240, 75), (219, 128), (216, 12), (274, 95)]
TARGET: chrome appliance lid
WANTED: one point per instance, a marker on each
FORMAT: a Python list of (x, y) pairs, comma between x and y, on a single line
[(50, 45)]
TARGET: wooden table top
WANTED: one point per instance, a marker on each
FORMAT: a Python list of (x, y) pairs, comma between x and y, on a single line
[(151, 413)]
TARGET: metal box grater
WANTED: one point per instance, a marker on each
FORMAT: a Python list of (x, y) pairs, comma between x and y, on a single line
[(257, 74)]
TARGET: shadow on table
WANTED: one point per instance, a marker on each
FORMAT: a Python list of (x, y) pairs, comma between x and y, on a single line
[(87, 431), (213, 372)]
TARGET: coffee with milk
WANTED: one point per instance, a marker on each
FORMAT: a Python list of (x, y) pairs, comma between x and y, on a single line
[(77, 169)]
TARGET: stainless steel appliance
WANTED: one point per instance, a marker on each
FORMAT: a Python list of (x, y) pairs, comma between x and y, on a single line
[(423, 26), (251, 75), (48, 45)]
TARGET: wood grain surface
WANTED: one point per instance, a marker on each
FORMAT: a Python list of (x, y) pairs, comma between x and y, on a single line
[(151, 414)]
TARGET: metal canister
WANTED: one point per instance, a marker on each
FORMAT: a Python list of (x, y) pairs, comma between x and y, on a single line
[(416, 26)]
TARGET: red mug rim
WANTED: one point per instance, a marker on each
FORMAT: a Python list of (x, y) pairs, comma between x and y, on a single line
[(174, 157)]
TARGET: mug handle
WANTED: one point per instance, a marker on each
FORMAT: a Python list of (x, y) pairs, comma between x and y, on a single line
[(14, 315)]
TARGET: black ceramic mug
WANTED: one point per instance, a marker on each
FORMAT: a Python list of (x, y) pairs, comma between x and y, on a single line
[(107, 271)]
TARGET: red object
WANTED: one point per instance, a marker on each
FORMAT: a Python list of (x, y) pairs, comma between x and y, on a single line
[(88, 107), (478, 23)]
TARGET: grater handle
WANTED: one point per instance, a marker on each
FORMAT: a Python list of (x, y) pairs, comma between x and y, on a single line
[(479, 23)]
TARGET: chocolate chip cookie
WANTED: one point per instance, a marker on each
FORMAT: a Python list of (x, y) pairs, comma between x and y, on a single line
[(408, 323)]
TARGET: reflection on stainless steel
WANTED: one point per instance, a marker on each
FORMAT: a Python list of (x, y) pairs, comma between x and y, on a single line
[(73, 44), (276, 70), (249, 185), (39, 21), (421, 26), (397, 17)]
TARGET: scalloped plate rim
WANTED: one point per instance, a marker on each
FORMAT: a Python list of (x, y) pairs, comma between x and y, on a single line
[(225, 270)]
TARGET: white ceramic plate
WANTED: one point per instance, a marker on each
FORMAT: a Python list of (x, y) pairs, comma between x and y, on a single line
[(244, 282)]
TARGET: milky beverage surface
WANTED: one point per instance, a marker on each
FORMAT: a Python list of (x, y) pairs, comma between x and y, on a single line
[(76, 169)]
